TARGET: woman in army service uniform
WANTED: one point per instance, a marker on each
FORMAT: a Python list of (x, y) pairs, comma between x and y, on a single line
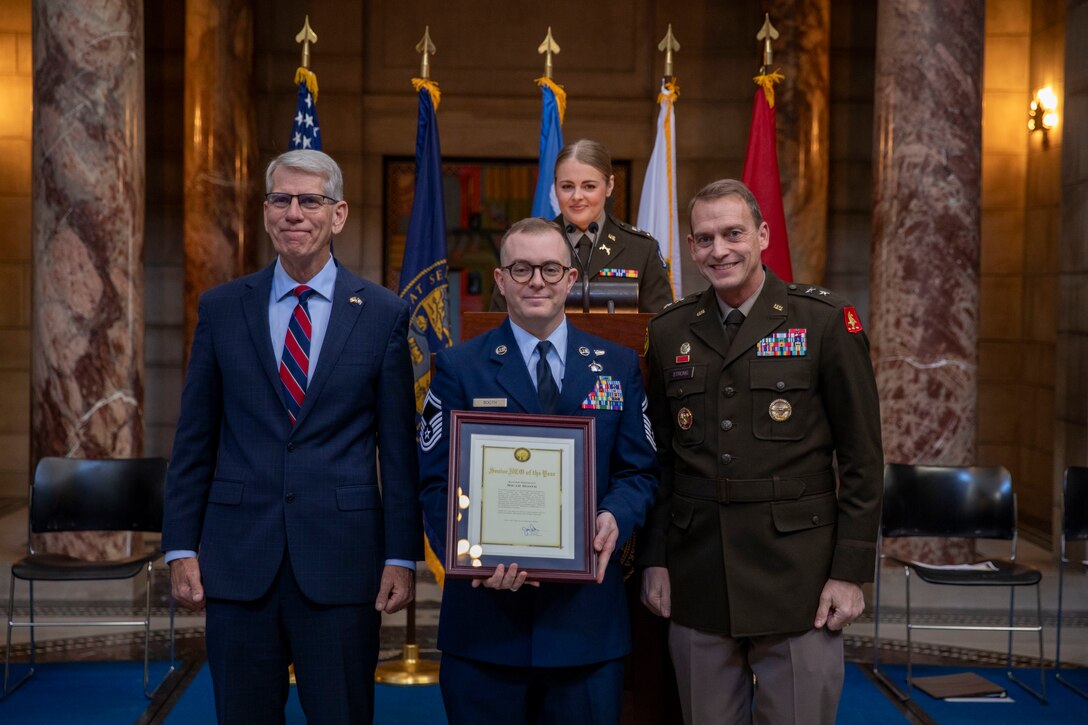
[(603, 246)]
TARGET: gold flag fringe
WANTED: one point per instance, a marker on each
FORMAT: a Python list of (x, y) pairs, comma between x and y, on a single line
[(307, 75), (560, 95), (432, 88), (767, 81)]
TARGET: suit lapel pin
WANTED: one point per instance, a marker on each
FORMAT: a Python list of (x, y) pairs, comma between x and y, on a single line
[(777, 307), (606, 249), (583, 351), (500, 350), (596, 366), (355, 300), (598, 353), (611, 236), (700, 313), (685, 348)]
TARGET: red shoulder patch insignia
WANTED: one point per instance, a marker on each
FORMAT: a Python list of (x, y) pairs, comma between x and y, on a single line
[(853, 322)]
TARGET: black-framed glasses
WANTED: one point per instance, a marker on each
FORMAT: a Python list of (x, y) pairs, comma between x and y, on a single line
[(309, 202), (550, 272)]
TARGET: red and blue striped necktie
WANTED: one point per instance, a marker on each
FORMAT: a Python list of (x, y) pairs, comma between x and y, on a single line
[(295, 361)]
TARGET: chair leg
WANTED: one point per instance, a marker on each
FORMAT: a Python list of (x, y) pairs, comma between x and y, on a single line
[(1039, 694), (910, 646), (147, 640), (877, 672), (147, 630), (1058, 644), (7, 655)]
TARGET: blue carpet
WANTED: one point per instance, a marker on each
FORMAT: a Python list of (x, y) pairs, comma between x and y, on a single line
[(392, 705), (88, 693), (1064, 706), (863, 702)]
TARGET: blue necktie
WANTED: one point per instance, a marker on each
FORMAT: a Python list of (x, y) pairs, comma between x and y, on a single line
[(546, 389)]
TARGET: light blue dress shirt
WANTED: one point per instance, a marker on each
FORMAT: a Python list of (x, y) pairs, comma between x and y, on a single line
[(557, 355), (281, 305)]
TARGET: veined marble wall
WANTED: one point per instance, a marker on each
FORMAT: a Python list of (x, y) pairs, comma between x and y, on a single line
[(925, 265), (88, 233)]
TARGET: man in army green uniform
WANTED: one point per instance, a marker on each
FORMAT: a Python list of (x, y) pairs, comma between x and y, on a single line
[(756, 550)]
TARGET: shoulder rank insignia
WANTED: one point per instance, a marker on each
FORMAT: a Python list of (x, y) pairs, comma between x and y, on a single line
[(607, 394), (430, 422), (791, 342), (853, 323)]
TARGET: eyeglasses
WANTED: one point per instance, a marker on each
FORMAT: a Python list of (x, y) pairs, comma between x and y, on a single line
[(550, 272), (309, 202)]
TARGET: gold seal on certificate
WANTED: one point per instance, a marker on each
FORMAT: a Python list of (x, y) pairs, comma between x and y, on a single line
[(522, 489)]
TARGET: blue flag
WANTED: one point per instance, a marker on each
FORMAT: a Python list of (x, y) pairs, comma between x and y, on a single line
[(305, 133), (551, 141), (423, 280)]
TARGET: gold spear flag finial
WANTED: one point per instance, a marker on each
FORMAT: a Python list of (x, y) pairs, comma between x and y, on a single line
[(546, 48), (670, 45), (426, 47), (306, 36), (767, 33)]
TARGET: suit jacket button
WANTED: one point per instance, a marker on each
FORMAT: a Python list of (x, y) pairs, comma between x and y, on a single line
[(290, 446), (726, 458), (815, 519), (780, 385), (290, 498), (727, 425), (729, 392)]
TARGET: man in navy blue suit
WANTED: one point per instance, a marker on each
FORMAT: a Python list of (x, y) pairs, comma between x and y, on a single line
[(274, 519), (514, 650)]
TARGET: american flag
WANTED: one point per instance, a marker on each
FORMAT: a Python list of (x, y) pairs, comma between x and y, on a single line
[(305, 134)]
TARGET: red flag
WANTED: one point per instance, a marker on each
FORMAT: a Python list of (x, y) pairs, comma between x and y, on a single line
[(761, 176)]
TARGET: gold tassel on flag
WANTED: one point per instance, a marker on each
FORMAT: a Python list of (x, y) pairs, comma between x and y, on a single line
[(560, 95)]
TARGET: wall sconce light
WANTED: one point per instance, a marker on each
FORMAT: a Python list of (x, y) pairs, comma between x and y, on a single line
[(1043, 113)]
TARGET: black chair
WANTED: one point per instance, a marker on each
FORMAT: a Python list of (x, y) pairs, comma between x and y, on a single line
[(70, 494), (1074, 528), (959, 502)]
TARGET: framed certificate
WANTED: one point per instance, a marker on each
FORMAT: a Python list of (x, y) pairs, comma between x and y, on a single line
[(522, 489)]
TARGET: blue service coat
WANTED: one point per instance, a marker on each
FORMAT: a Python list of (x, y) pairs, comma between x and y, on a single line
[(244, 485), (557, 624)]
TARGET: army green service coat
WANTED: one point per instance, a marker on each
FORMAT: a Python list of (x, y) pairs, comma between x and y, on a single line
[(751, 519)]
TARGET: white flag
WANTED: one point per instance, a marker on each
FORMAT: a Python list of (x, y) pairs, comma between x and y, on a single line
[(657, 213)]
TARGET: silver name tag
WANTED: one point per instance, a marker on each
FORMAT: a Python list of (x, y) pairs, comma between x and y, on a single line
[(489, 402)]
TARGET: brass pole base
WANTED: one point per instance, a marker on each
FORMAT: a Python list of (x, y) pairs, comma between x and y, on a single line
[(409, 670)]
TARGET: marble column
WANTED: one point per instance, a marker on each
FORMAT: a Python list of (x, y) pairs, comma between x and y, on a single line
[(925, 261), (221, 193), (88, 226), (802, 53)]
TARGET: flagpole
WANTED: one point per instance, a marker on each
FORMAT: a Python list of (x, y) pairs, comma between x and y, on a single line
[(411, 669)]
